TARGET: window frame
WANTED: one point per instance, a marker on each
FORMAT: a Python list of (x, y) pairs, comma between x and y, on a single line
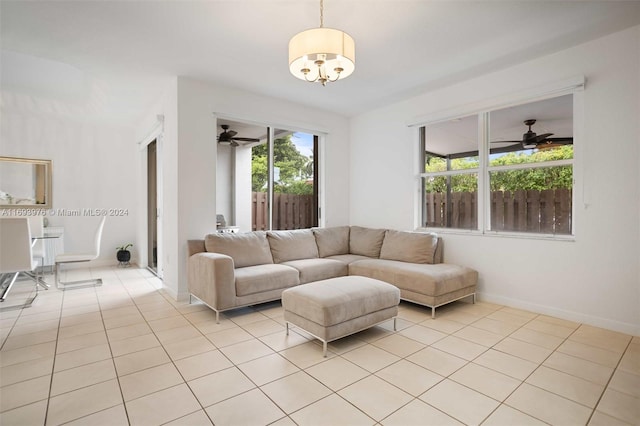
[(573, 86)]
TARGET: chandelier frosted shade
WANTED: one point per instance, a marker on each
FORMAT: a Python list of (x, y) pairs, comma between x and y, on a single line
[(322, 55)]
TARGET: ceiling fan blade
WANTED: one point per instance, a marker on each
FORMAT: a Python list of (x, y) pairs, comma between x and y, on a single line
[(505, 141), (561, 141), (504, 149), (234, 143), (541, 138), (246, 139), (230, 133)]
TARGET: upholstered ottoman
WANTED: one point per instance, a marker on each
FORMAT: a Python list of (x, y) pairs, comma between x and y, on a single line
[(337, 307)]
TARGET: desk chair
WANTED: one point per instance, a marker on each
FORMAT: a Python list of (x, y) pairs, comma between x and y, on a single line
[(36, 228), (15, 255), (80, 257)]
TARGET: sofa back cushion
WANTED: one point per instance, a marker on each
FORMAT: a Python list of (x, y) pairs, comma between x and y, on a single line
[(292, 245), (246, 249), (365, 241), (413, 247), (332, 241)]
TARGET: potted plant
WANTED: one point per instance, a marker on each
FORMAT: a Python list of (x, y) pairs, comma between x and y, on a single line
[(123, 254)]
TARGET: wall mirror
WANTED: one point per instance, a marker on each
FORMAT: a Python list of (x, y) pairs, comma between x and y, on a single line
[(25, 183)]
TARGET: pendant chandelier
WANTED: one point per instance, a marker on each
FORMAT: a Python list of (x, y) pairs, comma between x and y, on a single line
[(322, 54)]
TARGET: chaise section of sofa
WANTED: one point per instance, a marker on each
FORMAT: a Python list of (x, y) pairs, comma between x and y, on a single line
[(412, 262)]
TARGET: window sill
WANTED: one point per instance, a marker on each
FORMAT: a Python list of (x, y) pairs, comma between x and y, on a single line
[(517, 235)]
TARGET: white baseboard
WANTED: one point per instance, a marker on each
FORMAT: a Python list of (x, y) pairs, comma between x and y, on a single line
[(171, 292), (622, 327)]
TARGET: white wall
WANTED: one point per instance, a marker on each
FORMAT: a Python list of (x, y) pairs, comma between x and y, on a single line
[(189, 173), (596, 278), (94, 167), (243, 188)]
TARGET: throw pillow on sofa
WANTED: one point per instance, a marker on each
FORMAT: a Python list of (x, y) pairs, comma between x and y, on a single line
[(412, 247), (332, 241), (246, 249), (365, 241), (292, 245)]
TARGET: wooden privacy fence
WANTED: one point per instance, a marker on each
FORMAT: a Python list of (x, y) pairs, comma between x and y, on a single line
[(547, 211), (290, 211)]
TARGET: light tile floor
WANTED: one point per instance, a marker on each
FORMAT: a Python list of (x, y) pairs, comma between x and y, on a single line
[(126, 353)]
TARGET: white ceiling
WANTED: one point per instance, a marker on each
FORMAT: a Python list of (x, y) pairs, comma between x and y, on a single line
[(115, 56)]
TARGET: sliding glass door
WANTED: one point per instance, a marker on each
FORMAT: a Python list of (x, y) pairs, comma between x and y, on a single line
[(284, 181)]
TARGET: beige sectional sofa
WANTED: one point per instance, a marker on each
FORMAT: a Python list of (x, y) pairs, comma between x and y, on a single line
[(228, 271)]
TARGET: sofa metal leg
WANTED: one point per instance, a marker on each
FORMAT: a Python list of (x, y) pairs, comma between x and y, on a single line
[(395, 323), (217, 317), (287, 329), (433, 312), (324, 348), (473, 298)]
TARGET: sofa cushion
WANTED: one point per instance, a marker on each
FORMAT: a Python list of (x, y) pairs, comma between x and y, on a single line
[(292, 245), (246, 249), (261, 278), (318, 269), (412, 247), (365, 241), (332, 241)]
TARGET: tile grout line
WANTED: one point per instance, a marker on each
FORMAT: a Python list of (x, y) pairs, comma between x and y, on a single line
[(545, 390), (113, 361), (606, 387), (55, 356)]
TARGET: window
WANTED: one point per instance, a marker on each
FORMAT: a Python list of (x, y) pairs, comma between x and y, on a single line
[(506, 170)]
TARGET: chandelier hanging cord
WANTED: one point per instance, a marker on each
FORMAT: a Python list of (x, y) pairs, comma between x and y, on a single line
[(321, 13)]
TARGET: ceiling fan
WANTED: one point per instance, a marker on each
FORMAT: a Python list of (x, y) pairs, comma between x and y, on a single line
[(229, 137), (531, 140)]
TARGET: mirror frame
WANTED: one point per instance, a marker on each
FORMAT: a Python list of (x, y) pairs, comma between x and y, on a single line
[(48, 197)]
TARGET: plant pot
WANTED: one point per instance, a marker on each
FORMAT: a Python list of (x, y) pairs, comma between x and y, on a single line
[(123, 255)]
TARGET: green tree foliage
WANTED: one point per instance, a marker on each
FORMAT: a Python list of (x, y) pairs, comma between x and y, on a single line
[(556, 177), (293, 166)]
